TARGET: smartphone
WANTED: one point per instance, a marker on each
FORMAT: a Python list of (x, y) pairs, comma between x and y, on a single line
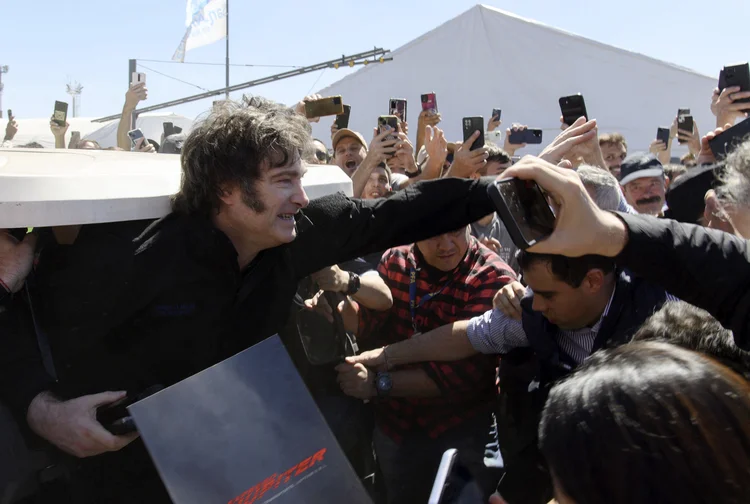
[(331, 105), (10, 115), (60, 115), (496, 114), (663, 135), (390, 121), (397, 107), (722, 80), (726, 141), (135, 135), (168, 128), (738, 75), (429, 103), (573, 107), (527, 136), (470, 126), (684, 123), (137, 78), (342, 120), (454, 483), (524, 210), (683, 112), (115, 416)]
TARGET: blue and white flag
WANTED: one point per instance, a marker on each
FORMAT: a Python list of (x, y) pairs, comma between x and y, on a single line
[(206, 23)]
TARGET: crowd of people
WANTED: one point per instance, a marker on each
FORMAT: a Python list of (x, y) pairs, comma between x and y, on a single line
[(606, 363)]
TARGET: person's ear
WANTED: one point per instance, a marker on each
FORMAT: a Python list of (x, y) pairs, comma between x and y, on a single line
[(593, 281), (227, 195)]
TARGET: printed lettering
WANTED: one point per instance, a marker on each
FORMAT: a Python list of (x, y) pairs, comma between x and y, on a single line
[(318, 457)]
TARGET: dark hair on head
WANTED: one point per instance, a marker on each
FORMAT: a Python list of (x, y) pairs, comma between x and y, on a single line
[(674, 171), (31, 145), (612, 139), (495, 153), (229, 147), (649, 422), (571, 270), (685, 325)]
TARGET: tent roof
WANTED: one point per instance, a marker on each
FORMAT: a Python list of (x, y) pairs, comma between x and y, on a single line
[(487, 58)]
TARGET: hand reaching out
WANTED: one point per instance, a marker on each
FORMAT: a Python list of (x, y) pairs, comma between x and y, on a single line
[(135, 94), (300, 107)]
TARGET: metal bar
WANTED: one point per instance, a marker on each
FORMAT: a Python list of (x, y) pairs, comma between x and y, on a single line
[(343, 61), (132, 68), (227, 79)]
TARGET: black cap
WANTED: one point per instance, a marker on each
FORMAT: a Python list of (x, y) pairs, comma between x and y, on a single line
[(640, 166), (173, 144), (686, 195)]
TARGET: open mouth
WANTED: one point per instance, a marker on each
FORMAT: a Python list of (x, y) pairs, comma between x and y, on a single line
[(286, 217), (351, 165)]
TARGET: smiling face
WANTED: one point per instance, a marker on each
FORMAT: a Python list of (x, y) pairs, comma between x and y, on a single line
[(267, 213), (646, 194), (446, 251), (614, 154), (377, 185), (349, 154)]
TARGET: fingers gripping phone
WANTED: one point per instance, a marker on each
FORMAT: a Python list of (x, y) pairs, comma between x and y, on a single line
[(663, 135), (137, 78), (115, 416), (342, 120), (737, 75), (332, 105), (685, 124), (573, 107), (429, 103), (524, 210), (389, 121), (60, 114), (454, 483), (472, 125), (496, 114), (397, 107), (135, 135), (525, 136)]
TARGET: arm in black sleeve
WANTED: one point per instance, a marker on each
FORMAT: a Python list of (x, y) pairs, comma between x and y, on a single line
[(22, 374), (705, 267), (344, 228)]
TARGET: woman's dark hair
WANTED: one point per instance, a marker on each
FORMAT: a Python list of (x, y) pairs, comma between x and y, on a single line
[(685, 325), (649, 422), (229, 147), (571, 270)]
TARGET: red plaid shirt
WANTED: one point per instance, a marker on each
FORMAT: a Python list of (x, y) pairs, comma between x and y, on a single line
[(468, 385)]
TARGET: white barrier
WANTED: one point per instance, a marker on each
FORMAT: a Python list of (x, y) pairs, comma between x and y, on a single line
[(50, 187)]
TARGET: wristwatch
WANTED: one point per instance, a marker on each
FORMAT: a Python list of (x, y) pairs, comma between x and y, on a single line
[(383, 384), (354, 284)]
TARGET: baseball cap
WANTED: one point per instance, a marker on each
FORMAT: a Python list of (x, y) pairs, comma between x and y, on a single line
[(686, 195), (173, 144), (343, 133), (639, 166)]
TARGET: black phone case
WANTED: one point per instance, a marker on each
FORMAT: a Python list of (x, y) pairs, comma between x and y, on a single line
[(61, 106), (470, 125), (723, 143), (663, 135), (684, 124), (342, 120), (507, 217), (569, 107), (738, 75), (115, 416), (497, 114)]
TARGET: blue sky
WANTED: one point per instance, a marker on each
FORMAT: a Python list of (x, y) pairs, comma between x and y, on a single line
[(47, 44)]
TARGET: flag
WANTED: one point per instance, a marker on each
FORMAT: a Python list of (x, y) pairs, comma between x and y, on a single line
[(206, 23)]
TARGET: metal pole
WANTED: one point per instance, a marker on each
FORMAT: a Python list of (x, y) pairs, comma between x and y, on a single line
[(1, 92), (227, 76), (132, 68)]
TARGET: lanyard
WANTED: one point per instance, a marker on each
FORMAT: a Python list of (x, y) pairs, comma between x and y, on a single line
[(413, 305)]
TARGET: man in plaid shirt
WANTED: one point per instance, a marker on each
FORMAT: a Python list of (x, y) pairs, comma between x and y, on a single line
[(423, 409)]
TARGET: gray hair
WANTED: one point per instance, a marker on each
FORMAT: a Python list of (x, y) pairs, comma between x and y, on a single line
[(735, 187), (603, 185)]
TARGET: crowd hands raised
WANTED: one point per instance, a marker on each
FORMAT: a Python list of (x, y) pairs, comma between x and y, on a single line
[(643, 285)]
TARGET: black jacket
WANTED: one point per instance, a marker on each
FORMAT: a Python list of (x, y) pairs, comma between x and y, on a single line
[(173, 301), (705, 267)]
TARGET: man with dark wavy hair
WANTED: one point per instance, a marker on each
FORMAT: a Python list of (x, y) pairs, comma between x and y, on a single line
[(215, 276)]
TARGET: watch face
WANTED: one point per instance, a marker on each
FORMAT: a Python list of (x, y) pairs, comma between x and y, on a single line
[(384, 382)]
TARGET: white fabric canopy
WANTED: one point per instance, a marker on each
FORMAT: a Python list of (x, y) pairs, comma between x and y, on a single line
[(487, 58)]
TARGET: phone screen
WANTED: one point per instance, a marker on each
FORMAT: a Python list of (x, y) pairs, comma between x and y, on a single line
[(454, 483), (397, 107), (528, 210), (496, 114), (429, 103)]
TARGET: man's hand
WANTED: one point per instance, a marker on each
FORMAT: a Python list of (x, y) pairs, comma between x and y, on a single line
[(57, 130), (581, 227), (332, 279), (334, 129), (374, 359), (405, 153), (577, 140), (300, 108), (724, 107), (403, 127), (706, 155), (508, 300), (145, 146), (466, 162), (72, 426), (436, 145), (427, 118), (692, 139), (491, 244), (493, 123), (511, 148), (656, 147), (382, 148), (16, 259), (135, 94), (11, 129), (356, 380)]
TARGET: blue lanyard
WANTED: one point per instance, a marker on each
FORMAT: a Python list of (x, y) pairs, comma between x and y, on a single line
[(413, 305)]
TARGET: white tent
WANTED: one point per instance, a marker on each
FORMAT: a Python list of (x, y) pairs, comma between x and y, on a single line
[(37, 130), (487, 58)]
